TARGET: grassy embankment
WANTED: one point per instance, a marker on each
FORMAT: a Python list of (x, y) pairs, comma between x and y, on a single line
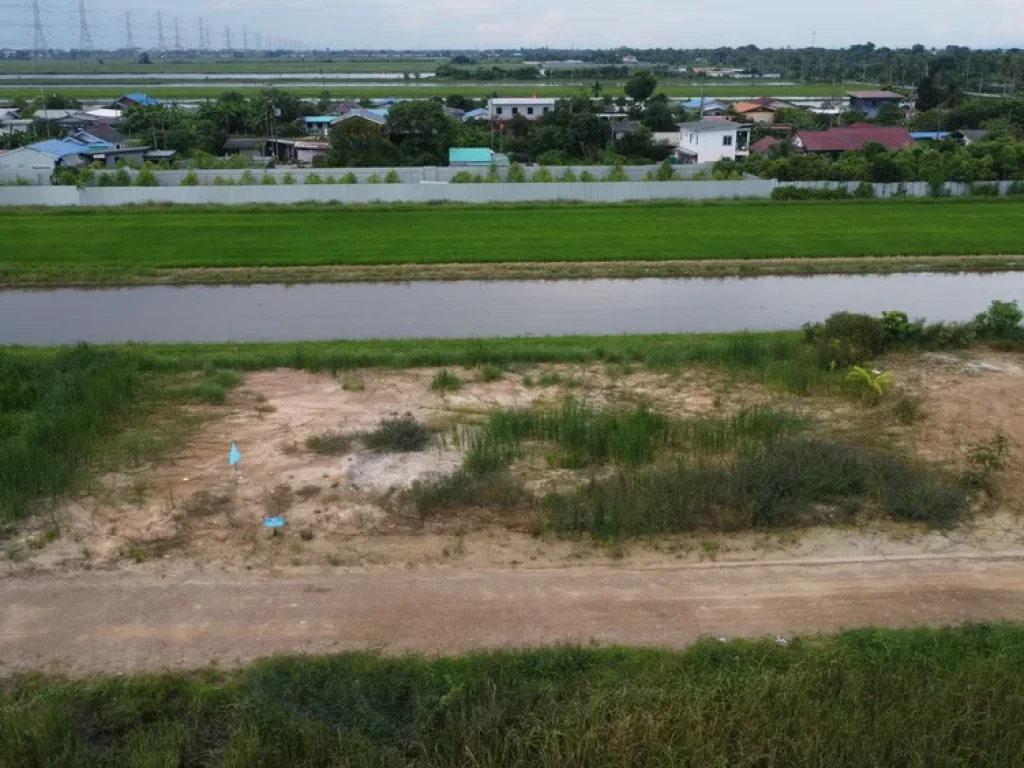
[(308, 243), (65, 411), (400, 89), (947, 697)]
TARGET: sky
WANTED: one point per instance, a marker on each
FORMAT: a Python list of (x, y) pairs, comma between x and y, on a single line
[(531, 23)]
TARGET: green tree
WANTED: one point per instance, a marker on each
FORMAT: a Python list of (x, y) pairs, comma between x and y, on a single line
[(361, 143), (889, 114), (422, 131), (641, 85)]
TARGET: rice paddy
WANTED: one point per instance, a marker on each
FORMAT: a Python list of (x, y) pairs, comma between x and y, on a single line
[(100, 246)]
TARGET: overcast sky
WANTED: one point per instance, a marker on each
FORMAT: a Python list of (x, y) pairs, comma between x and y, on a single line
[(514, 23)]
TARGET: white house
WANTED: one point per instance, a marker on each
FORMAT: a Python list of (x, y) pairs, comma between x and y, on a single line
[(707, 141), (529, 107), (27, 163)]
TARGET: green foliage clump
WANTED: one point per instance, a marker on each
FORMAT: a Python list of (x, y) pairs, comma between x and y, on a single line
[(248, 178), (373, 178), (1000, 321), (445, 381), (587, 177), (190, 179), (617, 173), (392, 177), (402, 433), (847, 338), (288, 178), (542, 175), (329, 443), (268, 180), (313, 178), (515, 174)]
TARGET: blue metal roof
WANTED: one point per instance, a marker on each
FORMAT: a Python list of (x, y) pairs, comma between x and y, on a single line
[(140, 99), (918, 135), (470, 155), (60, 147), (473, 114), (319, 119)]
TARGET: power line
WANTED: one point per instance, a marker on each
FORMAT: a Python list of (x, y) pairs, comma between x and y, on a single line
[(84, 38), (160, 32), (38, 37)]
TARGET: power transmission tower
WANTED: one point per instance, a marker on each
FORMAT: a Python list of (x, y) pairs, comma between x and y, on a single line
[(160, 32), (38, 38), (177, 35), (258, 44), (227, 37), (202, 37), (84, 38), (128, 27), (245, 40)]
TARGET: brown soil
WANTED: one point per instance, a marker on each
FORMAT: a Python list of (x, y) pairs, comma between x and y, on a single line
[(196, 512)]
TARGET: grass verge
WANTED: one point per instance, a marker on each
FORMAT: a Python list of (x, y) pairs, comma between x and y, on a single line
[(99, 249), (937, 697)]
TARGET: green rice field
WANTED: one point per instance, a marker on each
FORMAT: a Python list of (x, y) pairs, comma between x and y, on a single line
[(919, 697), (105, 246)]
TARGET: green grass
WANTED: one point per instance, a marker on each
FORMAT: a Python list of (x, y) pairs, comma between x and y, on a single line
[(445, 381), (101, 246), (935, 697)]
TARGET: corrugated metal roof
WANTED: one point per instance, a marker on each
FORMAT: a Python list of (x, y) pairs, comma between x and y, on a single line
[(700, 126), (875, 95), (475, 114), (60, 147), (854, 137), (141, 99), (469, 155), (917, 135), (315, 119)]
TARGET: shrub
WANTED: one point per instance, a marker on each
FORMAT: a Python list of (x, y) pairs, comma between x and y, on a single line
[(247, 178), (392, 177), (1015, 188), (445, 381), (665, 171), (1001, 320), (146, 178), (400, 434), (492, 490), (373, 178), (897, 325), (865, 191), (220, 181), (288, 178), (493, 177), (488, 372), (515, 174), (313, 178), (617, 173), (350, 178), (587, 176), (542, 175), (868, 385), (807, 193), (569, 175), (190, 179), (983, 190), (268, 180), (463, 177), (105, 180), (906, 409), (847, 338), (330, 443)]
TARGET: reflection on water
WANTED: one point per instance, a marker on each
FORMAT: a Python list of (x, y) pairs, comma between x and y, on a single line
[(482, 309)]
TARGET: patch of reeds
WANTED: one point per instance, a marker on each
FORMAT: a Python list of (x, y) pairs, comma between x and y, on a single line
[(798, 482), (445, 381), (490, 490), (399, 434)]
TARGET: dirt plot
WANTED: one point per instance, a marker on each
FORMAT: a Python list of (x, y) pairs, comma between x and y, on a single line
[(197, 512)]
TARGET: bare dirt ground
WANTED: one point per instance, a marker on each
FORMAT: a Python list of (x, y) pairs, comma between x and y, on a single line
[(117, 622), (170, 565), (196, 512)]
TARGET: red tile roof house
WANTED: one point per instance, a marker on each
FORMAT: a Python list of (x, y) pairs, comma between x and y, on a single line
[(836, 140)]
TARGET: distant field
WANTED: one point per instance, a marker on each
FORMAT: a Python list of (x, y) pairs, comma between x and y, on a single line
[(96, 245), (227, 66), (428, 88), (863, 698)]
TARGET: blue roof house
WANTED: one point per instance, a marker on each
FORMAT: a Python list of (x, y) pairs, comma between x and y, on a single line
[(136, 100)]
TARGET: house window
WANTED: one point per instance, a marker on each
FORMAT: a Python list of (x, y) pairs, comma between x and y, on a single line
[(515, 110), (529, 110), (727, 141), (498, 110), (545, 110)]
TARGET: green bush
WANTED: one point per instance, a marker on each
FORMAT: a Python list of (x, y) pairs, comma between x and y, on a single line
[(330, 443), (220, 181), (568, 175), (373, 178), (983, 190), (445, 381), (806, 193), (587, 177), (288, 178), (665, 172), (515, 174), (268, 180), (392, 177), (248, 178), (1001, 320), (847, 338), (351, 178), (190, 179), (865, 191), (617, 173), (398, 434), (146, 178), (313, 178), (542, 175), (463, 177)]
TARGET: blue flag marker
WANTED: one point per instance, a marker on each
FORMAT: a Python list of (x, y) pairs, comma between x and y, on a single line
[(233, 455), (273, 522)]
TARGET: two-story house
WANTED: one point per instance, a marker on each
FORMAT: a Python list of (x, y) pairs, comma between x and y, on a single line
[(708, 141)]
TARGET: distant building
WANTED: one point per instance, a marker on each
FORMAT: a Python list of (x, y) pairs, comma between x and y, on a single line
[(135, 100), (249, 146), (707, 141), (475, 157), (764, 146), (760, 110), (622, 128), (970, 136), (476, 114), (837, 140), (376, 116), (869, 102), (711, 108), (30, 163), (530, 107), (318, 125)]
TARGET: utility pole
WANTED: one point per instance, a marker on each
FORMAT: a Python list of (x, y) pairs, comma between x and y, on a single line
[(38, 37), (84, 38), (130, 44), (245, 40), (160, 32)]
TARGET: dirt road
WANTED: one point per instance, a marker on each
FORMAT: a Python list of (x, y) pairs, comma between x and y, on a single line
[(123, 621)]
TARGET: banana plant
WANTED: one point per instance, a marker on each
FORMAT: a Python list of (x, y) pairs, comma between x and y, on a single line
[(874, 383)]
